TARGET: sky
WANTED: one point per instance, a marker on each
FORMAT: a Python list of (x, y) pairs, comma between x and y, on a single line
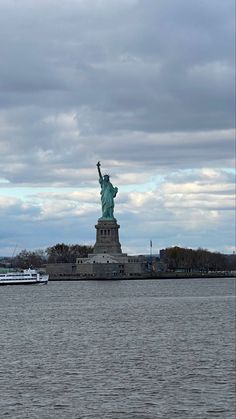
[(146, 87)]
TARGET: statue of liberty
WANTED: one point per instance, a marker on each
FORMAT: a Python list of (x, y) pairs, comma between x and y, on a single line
[(108, 193)]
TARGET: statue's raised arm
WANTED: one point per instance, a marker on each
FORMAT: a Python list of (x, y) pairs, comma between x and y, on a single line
[(108, 193), (99, 170)]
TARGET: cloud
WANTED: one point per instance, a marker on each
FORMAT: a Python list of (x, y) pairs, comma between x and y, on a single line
[(67, 158), (186, 209)]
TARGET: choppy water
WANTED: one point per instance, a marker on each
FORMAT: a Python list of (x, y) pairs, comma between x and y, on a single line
[(119, 350)]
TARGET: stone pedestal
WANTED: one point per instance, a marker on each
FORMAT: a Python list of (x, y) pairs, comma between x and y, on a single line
[(107, 237)]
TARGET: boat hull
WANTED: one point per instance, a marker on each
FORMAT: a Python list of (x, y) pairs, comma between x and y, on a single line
[(27, 277), (23, 282)]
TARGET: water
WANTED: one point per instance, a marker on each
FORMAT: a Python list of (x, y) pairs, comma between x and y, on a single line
[(118, 350)]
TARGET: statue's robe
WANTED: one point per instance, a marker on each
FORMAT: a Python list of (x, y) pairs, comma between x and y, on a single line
[(108, 193)]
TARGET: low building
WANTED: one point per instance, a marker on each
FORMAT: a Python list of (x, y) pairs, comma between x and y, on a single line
[(111, 266), (60, 270)]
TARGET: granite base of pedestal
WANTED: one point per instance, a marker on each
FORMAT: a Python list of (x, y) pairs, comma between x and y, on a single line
[(107, 237)]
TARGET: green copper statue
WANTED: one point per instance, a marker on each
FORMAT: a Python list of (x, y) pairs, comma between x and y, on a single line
[(108, 193)]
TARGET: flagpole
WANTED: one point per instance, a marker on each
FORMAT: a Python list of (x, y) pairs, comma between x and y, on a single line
[(151, 248), (151, 254)]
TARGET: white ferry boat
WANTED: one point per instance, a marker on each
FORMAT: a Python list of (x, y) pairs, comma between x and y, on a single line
[(27, 276)]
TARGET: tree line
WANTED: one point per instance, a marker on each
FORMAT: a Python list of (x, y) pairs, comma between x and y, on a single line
[(174, 258), (201, 260), (60, 253)]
